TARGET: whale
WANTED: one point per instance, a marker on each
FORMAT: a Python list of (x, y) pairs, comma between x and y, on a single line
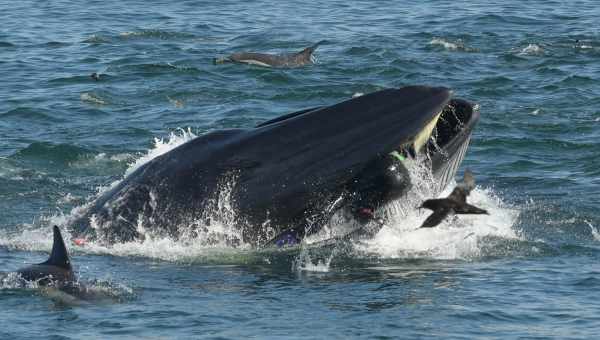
[(455, 203), (302, 58), (285, 178)]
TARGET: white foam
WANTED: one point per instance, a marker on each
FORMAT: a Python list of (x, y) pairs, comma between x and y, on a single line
[(178, 103), (28, 239), (595, 232), (68, 198), (162, 146), (445, 44), (92, 98), (189, 251), (458, 237), (120, 157), (532, 49), (304, 263)]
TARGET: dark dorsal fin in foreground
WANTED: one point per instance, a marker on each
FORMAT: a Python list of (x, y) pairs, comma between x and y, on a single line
[(59, 256)]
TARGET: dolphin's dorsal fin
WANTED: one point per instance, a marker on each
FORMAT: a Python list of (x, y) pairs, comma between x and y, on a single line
[(309, 50), (59, 256)]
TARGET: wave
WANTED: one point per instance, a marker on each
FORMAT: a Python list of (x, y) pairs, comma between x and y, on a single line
[(107, 37), (30, 114), (576, 80), (54, 44), (46, 151), (96, 39), (78, 79), (156, 34), (154, 68)]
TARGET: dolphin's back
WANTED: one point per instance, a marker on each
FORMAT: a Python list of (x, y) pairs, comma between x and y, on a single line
[(274, 60)]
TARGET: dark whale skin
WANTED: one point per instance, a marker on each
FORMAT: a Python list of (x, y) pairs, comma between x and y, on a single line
[(276, 175)]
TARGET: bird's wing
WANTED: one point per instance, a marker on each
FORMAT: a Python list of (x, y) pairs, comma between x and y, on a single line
[(436, 217), (469, 209), (459, 194), (463, 189), (434, 204)]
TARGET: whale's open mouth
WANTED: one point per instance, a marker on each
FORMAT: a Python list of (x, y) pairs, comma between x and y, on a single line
[(443, 140), (450, 139)]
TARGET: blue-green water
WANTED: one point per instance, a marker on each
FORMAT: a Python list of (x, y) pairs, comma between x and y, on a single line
[(528, 270)]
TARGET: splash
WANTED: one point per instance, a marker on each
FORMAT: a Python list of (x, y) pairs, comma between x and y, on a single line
[(536, 112), (92, 98), (80, 292), (458, 237), (594, 231), (162, 146), (457, 45), (214, 238), (532, 49), (304, 263)]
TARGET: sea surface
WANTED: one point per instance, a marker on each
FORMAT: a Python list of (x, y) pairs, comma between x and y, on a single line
[(528, 270)]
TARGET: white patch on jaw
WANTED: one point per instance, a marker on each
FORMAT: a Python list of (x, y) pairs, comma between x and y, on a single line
[(254, 62)]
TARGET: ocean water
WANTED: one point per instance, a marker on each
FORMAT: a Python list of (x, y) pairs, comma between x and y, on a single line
[(528, 270)]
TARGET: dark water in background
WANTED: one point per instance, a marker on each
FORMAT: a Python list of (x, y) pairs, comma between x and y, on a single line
[(529, 270)]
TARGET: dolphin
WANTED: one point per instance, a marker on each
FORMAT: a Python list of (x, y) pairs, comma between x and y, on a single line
[(56, 272), (455, 203), (304, 57), (285, 178), (55, 278)]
